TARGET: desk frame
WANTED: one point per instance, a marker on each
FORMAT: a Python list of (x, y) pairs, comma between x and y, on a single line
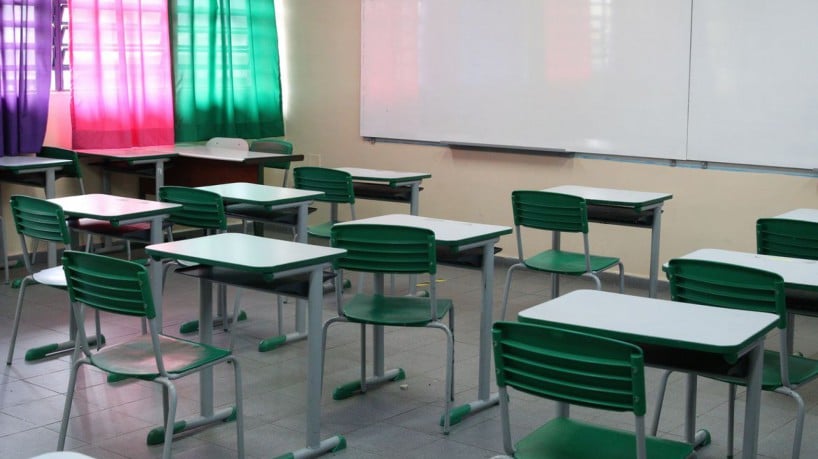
[(286, 259), (18, 165), (458, 236), (675, 325), (391, 179), (627, 208), (273, 198)]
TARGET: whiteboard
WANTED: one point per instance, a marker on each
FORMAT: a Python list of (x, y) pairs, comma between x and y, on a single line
[(596, 76), (754, 82)]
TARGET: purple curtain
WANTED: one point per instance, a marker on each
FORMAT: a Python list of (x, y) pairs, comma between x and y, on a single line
[(25, 74)]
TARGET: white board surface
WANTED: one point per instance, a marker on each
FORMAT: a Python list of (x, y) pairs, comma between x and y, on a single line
[(727, 81), (591, 76), (754, 82)]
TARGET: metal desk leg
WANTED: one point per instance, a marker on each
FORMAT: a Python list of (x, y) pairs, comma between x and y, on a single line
[(207, 415), (300, 332), (414, 203), (753, 401), (159, 177), (485, 398), (315, 375), (655, 232), (49, 193)]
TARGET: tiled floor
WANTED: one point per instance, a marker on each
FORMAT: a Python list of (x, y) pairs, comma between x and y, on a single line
[(397, 420)]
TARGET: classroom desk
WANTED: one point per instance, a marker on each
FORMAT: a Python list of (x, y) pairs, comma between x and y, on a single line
[(671, 328), (624, 207), (386, 185), (273, 198), (807, 215), (193, 165), (230, 256), (12, 167), (456, 236), (119, 211), (800, 277), (131, 161)]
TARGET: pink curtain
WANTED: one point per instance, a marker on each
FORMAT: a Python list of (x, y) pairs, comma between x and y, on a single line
[(122, 89)]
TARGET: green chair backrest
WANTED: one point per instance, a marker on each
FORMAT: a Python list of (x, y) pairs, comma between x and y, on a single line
[(569, 366), (549, 211), (74, 170), (727, 286), (108, 284), (336, 185), (787, 238), (274, 146), (385, 248), (200, 208), (39, 219)]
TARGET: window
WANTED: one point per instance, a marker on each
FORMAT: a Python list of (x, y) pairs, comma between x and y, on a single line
[(61, 75)]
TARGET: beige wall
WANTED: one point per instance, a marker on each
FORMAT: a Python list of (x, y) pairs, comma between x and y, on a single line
[(709, 208)]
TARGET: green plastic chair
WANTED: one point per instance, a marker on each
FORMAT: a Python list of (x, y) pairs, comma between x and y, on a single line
[(787, 238), (123, 287), (558, 213), (74, 170), (738, 287), (796, 239), (273, 146), (337, 188), (39, 219), (382, 249), (574, 368)]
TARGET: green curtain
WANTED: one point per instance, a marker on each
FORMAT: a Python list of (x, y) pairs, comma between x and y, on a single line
[(225, 69)]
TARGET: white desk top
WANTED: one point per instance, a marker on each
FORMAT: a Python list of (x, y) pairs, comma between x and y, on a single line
[(796, 272), (224, 154), (245, 252), (254, 193), (807, 215), (379, 175), (112, 208), (611, 196), (24, 162), (655, 321), (134, 153), (448, 232)]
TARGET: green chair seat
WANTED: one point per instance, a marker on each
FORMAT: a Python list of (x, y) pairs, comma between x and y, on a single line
[(382, 250), (565, 438), (322, 230), (801, 369), (406, 311), (571, 263), (136, 359)]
